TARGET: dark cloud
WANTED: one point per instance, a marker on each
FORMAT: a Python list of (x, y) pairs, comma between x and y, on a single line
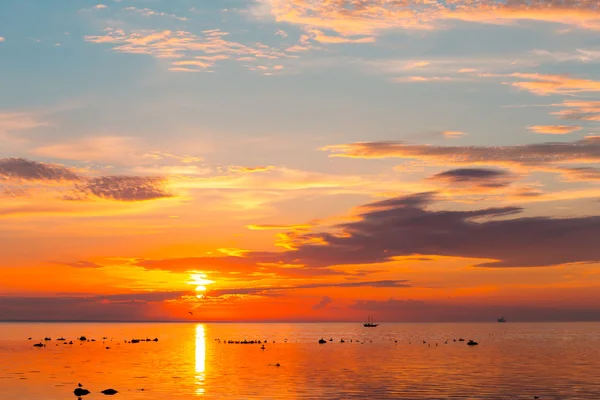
[(480, 177), (118, 307), (410, 310), (325, 301), (404, 227), (122, 188), (264, 291), (585, 150), (20, 169)]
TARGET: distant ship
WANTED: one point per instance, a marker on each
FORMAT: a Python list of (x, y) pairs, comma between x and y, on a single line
[(501, 319), (370, 323)]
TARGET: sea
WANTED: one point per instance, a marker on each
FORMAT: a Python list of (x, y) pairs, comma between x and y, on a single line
[(392, 361)]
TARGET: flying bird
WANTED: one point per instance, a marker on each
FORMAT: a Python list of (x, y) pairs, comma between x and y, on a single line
[(191, 313)]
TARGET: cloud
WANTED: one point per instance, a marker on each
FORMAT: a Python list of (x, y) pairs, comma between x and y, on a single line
[(81, 264), (404, 226), (321, 37), (268, 290), (18, 121), (116, 307), (19, 169), (245, 170), (545, 85), (555, 129), (100, 6), (452, 134), (191, 52), (478, 177), (356, 17), (122, 188), (277, 227), (147, 12), (325, 301), (585, 150), (2, 40), (417, 79), (579, 110), (579, 55), (581, 174)]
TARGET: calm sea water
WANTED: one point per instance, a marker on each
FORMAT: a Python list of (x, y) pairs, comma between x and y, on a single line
[(512, 361)]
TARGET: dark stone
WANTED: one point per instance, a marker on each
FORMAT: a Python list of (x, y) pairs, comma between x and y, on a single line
[(109, 392), (80, 392)]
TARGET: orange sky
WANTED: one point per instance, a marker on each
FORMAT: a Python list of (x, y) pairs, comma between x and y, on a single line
[(300, 161)]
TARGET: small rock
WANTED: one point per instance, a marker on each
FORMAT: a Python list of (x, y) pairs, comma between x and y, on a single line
[(80, 392), (109, 392)]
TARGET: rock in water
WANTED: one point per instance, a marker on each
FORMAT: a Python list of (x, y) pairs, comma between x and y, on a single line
[(80, 392), (109, 392)]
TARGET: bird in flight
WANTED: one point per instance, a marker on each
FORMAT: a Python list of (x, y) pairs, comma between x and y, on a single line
[(191, 313)]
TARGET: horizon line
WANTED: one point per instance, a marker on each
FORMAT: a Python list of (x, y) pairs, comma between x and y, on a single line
[(287, 322)]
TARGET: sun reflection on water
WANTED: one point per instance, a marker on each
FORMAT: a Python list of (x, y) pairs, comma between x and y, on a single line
[(200, 359)]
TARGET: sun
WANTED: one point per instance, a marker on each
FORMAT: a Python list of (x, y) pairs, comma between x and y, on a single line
[(201, 282)]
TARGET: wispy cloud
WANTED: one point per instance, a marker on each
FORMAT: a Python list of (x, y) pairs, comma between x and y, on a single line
[(579, 110), (554, 129), (191, 52), (277, 227), (266, 290), (545, 85), (354, 17), (325, 301), (19, 121), (585, 150), (147, 12)]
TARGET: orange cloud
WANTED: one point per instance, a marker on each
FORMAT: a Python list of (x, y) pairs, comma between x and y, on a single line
[(356, 17), (555, 129), (545, 85), (579, 110), (540, 154), (246, 170), (277, 227), (452, 134), (204, 50)]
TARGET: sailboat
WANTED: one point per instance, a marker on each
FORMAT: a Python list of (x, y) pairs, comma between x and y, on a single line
[(370, 323)]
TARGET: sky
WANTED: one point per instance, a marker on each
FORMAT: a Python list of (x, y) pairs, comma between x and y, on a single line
[(300, 160)]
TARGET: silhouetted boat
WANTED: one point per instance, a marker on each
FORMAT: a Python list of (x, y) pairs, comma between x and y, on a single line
[(370, 323), (501, 319)]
